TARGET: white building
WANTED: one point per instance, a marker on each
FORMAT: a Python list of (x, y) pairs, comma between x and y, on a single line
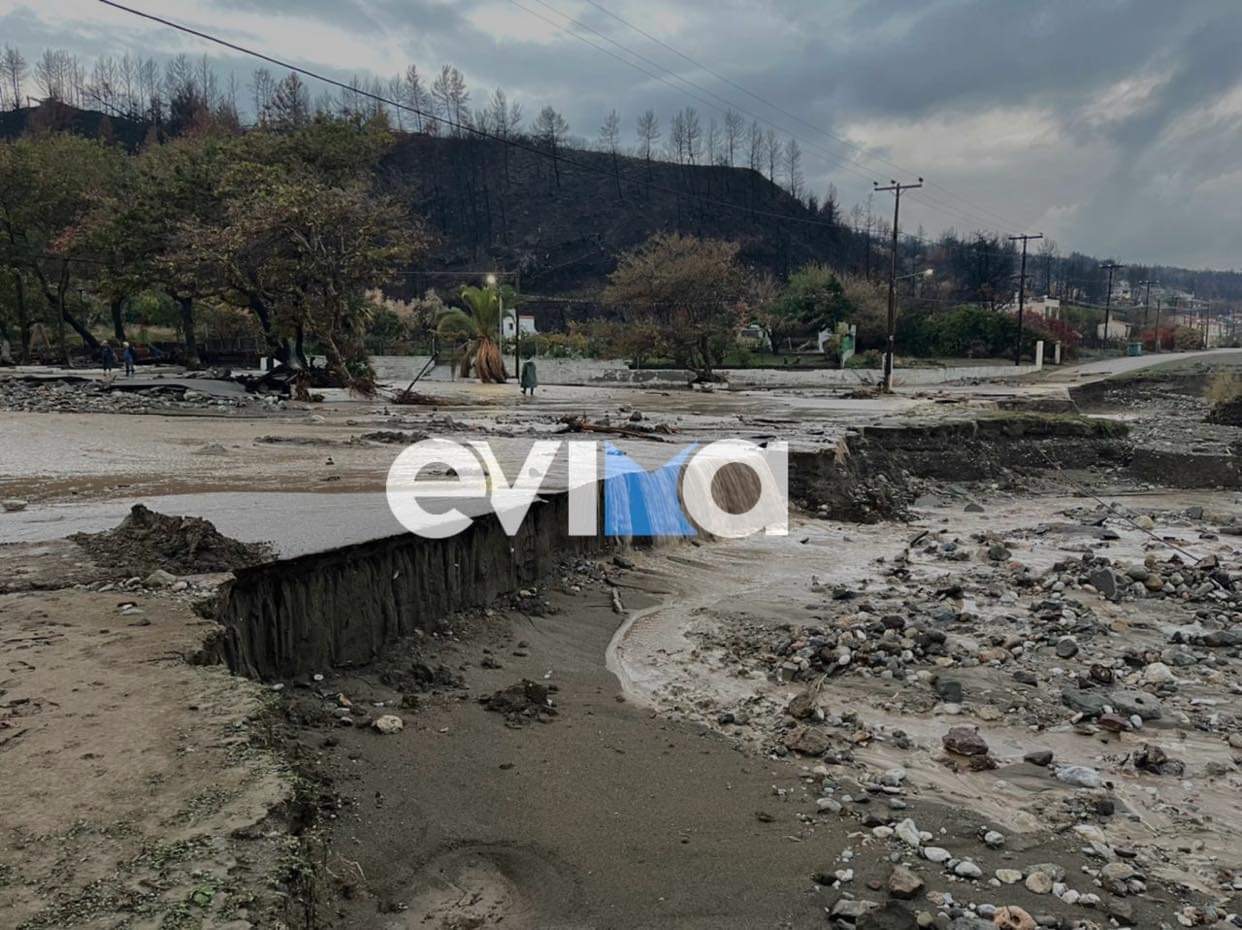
[(1118, 330), (1047, 307), (527, 323)]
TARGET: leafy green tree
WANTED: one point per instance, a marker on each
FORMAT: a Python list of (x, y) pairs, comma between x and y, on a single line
[(812, 300), (693, 290), (172, 188), (479, 324), (245, 254), (313, 250), (385, 329), (48, 183)]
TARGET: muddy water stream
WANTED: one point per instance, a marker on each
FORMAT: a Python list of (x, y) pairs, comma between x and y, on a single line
[(664, 657)]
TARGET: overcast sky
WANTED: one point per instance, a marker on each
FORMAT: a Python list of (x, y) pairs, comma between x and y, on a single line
[(1112, 126)]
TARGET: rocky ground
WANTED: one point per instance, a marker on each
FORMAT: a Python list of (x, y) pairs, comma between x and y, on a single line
[(116, 395), (1068, 677), (1016, 709), (1165, 410)]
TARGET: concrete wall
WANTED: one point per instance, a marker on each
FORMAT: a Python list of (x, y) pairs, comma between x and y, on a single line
[(402, 368), (585, 371)]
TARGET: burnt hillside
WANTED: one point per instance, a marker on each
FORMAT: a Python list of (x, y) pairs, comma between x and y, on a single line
[(561, 224), (51, 116)]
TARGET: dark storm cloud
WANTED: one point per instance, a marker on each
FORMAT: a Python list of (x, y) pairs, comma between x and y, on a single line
[(1113, 125)]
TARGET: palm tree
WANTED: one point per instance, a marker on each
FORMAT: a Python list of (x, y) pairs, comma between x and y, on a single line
[(479, 323)]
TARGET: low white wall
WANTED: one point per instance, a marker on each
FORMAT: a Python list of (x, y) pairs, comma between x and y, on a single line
[(398, 368), (587, 371), (742, 379)]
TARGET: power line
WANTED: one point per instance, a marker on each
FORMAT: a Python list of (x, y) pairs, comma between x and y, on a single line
[(845, 163), (461, 128), (766, 102), (467, 129)]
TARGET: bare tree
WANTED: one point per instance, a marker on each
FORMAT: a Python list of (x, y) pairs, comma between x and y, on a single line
[(452, 99), (694, 135), (610, 133), (755, 162), (290, 103), (102, 88), (149, 89), (648, 134), (830, 210), (504, 117), (325, 104), (13, 72), (677, 138), (262, 86), (53, 74), (226, 108), (414, 95), (551, 130), (610, 142), (351, 97), (395, 89), (377, 90), (713, 142), (208, 87), (127, 87), (793, 167), (733, 129), (772, 147)]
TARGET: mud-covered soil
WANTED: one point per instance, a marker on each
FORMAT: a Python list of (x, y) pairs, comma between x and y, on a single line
[(140, 791), (146, 541), (1016, 706)]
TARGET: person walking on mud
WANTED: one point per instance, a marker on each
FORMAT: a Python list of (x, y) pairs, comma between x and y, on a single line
[(107, 358), (530, 380), (130, 358)]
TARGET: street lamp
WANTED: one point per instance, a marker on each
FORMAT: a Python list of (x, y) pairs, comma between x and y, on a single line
[(890, 351)]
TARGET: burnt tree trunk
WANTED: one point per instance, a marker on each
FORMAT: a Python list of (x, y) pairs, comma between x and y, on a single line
[(186, 305), (117, 307), (23, 317)]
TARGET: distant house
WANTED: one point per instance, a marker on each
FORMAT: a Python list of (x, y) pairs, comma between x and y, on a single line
[(1215, 330), (1118, 330), (755, 337), (527, 322), (1047, 307)]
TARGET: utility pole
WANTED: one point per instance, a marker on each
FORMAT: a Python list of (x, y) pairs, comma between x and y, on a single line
[(1017, 346), (1147, 300), (1110, 267), (1157, 340), (896, 188)]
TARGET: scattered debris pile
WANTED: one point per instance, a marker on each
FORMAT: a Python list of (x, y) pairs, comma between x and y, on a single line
[(82, 395), (147, 541), (408, 398), (384, 437), (633, 428), (1227, 412), (521, 703)]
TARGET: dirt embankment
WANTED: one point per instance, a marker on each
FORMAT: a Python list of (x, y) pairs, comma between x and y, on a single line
[(147, 541), (875, 473)]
